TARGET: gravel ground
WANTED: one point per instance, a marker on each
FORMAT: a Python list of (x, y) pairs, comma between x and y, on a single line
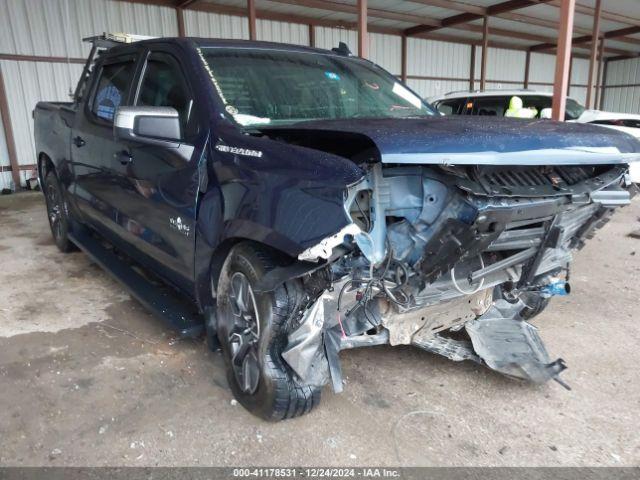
[(89, 378)]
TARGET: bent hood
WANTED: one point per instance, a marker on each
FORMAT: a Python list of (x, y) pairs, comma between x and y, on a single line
[(458, 140)]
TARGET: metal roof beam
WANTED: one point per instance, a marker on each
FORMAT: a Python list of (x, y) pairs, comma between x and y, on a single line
[(614, 17), (469, 16), (516, 17), (372, 12), (612, 34)]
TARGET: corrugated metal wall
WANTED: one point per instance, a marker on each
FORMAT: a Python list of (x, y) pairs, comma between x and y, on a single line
[(505, 68), (435, 68), (38, 27), (619, 97), (56, 27), (27, 83)]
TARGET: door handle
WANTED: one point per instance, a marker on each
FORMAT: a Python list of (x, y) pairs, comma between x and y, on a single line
[(124, 157), (79, 142)]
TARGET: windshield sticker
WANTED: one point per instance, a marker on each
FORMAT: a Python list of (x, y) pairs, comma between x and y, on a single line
[(332, 75), (231, 109), (239, 151)]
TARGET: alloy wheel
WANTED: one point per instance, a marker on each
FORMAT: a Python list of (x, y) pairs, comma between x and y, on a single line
[(54, 211), (244, 333)]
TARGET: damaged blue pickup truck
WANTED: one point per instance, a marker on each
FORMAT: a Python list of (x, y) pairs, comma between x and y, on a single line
[(290, 202)]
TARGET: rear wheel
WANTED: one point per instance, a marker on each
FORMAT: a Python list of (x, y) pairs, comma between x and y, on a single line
[(252, 330), (58, 213)]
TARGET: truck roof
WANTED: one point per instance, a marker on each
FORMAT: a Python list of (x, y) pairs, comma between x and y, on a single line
[(234, 43)]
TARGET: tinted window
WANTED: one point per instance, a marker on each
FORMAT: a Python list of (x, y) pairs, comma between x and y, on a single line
[(112, 89), (487, 106), (451, 107), (163, 85)]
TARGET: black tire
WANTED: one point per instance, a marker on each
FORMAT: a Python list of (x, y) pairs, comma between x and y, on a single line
[(57, 213), (535, 306), (270, 389)]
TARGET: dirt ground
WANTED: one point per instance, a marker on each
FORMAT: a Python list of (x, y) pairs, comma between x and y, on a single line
[(87, 377)]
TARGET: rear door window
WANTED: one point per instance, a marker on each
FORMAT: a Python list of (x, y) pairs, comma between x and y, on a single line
[(451, 107), (487, 106), (112, 88)]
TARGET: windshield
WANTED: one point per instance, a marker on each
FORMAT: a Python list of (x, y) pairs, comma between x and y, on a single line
[(573, 110), (271, 87)]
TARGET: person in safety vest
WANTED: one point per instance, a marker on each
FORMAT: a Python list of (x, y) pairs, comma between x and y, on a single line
[(516, 110)]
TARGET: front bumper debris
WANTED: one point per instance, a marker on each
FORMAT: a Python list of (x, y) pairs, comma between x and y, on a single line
[(510, 345)]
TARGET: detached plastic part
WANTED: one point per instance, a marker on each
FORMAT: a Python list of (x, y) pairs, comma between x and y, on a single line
[(511, 346)]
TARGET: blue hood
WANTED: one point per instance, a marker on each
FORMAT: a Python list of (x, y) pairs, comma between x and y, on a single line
[(459, 140)]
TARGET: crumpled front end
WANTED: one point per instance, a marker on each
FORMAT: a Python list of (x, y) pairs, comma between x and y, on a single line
[(453, 260)]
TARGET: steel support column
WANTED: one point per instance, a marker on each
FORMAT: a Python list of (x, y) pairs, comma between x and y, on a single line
[(363, 40), (251, 11), (485, 51), (403, 65), (563, 59), (8, 134), (595, 37), (312, 36), (472, 69), (604, 83), (599, 79), (180, 17), (527, 66)]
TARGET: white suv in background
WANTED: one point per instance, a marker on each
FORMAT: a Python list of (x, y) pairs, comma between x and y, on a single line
[(496, 103)]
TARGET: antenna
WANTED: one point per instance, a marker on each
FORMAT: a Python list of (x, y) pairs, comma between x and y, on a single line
[(342, 49)]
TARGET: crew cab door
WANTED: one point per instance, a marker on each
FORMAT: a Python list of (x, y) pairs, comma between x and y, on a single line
[(93, 143), (158, 182)]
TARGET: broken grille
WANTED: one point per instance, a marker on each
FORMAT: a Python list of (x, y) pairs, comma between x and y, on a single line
[(536, 176)]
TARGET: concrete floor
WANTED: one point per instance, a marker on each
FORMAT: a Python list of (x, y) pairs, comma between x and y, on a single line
[(87, 377)]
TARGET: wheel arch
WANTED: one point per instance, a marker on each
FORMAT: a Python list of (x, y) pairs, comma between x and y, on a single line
[(45, 165), (217, 257)]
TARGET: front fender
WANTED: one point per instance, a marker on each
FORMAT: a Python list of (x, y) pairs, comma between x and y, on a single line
[(284, 196)]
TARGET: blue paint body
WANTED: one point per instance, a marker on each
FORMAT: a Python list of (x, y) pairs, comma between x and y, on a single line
[(289, 197)]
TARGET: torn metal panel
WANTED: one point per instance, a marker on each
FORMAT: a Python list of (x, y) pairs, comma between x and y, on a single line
[(511, 346), (305, 349)]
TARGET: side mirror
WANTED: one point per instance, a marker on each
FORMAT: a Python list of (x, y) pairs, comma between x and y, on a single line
[(153, 125)]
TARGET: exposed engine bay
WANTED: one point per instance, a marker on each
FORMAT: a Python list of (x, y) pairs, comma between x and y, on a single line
[(453, 260)]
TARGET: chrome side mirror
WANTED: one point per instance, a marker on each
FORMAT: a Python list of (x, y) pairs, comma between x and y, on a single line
[(154, 125)]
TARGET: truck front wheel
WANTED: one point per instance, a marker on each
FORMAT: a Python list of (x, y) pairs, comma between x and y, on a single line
[(252, 330)]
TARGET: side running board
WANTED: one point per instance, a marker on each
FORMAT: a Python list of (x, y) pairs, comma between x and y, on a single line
[(169, 307)]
